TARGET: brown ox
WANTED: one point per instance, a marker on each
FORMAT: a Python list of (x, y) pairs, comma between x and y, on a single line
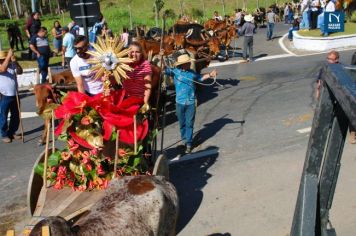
[(225, 36), (47, 93), (155, 46), (214, 25), (213, 44), (140, 205)]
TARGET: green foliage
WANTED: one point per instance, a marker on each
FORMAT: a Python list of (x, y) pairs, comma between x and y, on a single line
[(54, 158), (160, 5), (169, 13), (353, 17), (39, 169), (197, 13)]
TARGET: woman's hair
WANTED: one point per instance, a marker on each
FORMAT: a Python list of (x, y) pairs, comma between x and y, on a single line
[(137, 44), (54, 23)]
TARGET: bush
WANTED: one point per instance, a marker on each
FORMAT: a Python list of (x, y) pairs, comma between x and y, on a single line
[(197, 13), (353, 17), (170, 13)]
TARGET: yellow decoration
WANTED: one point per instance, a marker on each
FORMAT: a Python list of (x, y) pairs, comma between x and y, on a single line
[(109, 58)]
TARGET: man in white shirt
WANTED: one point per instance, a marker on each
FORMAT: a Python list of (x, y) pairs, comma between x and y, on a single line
[(81, 69), (8, 103)]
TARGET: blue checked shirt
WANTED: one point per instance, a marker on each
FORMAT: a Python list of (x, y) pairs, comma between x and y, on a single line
[(185, 87)]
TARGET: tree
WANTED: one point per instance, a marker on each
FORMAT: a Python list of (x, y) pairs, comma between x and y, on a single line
[(158, 6), (8, 9), (181, 2), (15, 9), (223, 7)]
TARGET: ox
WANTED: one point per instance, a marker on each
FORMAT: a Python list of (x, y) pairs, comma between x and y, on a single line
[(225, 36), (141, 205), (47, 93), (214, 25)]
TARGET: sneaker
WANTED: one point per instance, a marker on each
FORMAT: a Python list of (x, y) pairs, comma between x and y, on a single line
[(17, 137), (6, 140), (188, 149)]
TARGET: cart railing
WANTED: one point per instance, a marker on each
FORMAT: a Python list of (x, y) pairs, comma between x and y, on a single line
[(335, 112)]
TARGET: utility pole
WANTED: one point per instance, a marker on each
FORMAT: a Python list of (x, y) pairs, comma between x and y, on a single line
[(33, 5)]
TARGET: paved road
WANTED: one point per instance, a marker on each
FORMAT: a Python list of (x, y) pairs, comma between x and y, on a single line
[(249, 186)]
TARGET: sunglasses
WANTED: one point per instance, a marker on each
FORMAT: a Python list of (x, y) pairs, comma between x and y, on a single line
[(81, 48)]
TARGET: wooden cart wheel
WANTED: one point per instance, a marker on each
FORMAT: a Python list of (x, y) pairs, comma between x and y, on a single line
[(35, 184), (161, 166)]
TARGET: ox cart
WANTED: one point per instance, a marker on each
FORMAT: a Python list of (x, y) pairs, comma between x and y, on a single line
[(44, 200)]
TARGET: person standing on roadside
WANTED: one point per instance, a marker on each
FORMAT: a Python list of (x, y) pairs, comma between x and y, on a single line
[(68, 51), (57, 37), (271, 19), (40, 47), (32, 26), (8, 102), (248, 29), (305, 9)]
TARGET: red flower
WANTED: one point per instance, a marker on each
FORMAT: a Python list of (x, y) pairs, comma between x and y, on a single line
[(59, 183), (65, 156), (86, 155), (122, 152), (86, 120), (88, 167), (72, 104), (82, 188), (62, 171), (94, 152), (91, 185), (100, 170)]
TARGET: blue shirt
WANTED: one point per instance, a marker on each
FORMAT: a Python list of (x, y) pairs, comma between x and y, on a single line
[(183, 82), (68, 43)]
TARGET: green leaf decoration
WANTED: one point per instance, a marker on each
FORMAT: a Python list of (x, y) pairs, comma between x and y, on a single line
[(39, 169), (54, 159), (136, 162)]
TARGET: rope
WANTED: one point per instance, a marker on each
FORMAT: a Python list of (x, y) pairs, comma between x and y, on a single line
[(210, 84)]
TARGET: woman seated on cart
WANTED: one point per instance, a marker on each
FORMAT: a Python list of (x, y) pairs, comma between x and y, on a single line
[(139, 84)]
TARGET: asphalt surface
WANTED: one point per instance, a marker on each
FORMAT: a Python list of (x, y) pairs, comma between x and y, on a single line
[(255, 126)]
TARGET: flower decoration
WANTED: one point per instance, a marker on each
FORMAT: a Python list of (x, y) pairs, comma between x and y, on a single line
[(109, 57), (88, 125)]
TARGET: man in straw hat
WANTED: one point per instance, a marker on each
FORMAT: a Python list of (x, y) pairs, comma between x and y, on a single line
[(248, 29), (8, 103), (184, 81)]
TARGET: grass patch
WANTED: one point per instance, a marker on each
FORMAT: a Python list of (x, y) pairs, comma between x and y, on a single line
[(116, 14), (350, 28)]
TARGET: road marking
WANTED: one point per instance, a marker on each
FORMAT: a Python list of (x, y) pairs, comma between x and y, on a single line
[(234, 62), (193, 156), (28, 115), (305, 130), (298, 119), (284, 48)]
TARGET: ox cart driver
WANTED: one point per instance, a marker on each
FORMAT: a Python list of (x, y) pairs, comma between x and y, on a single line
[(184, 81)]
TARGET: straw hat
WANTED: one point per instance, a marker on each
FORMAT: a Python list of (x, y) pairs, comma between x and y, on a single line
[(183, 59), (248, 18), (2, 55)]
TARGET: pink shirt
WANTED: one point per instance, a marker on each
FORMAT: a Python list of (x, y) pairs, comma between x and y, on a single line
[(135, 86)]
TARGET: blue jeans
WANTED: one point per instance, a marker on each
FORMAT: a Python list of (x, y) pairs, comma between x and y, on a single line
[(9, 104), (290, 32), (43, 62), (186, 118), (305, 24), (270, 27)]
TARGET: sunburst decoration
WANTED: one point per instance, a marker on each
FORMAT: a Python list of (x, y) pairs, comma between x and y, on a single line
[(109, 58)]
